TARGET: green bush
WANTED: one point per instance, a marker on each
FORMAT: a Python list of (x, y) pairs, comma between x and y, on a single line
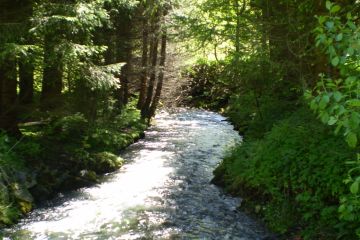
[(114, 136), (295, 173), (106, 162), (72, 127), (207, 87), (254, 116), (14, 182)]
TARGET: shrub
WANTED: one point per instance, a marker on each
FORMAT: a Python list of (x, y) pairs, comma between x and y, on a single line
[(207, 87), (295, 173), (254, 116), (106, 162)]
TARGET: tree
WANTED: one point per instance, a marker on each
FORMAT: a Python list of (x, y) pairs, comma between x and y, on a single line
[(144, 56), (13, 17), (160, 80)]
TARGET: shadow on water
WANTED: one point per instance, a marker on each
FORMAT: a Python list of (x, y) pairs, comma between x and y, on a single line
[(163, 192)]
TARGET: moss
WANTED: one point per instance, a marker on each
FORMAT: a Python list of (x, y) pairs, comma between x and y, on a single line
[(104, 162)]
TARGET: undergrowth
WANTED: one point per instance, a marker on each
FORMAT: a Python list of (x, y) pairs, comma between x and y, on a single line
[(64, 153), (293, 177)]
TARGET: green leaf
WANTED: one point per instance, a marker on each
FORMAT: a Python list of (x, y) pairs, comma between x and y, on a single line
[(339, 37), (350, 80), (328, 5), (354, 121), (352, 25), (338, 128), (354, 102), (337, 96), (324, 102), (354, 188), (332, 50), (330, 24), (313, 105), (325, 117), (351, 139), (350, 51), (335, 9), (322, 19), (335, 61), (332, 121)]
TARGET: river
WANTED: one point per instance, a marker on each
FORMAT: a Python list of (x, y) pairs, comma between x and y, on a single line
[(162, 192)]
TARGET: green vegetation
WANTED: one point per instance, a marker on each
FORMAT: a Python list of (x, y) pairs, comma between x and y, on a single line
[(80, 80), (69, 87), (286, 74), (67, 153), (292, 177)]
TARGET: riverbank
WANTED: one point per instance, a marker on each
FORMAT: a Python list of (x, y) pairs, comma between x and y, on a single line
[(291, 170), (163, 191), (64, 153), (291, 178)]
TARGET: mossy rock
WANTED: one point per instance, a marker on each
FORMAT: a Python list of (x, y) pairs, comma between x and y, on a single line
[(25, 207), (105, 162), (89, 176), (21, 193)]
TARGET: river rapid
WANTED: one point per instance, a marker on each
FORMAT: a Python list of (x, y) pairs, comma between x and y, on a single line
[(162, 192)]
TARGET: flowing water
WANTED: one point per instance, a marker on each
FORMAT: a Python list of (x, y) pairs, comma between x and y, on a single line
[(163, 192)]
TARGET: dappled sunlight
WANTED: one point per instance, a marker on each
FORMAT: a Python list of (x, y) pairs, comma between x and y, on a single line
[(107, 202), (163, 192)]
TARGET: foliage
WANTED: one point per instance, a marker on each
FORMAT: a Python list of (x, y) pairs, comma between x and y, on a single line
[(265, 60), (206, 88), (106, 162), (72, 152), (337, 99), (73, 58), (12, 173), (254, 116), (120, 132), (294, 174)]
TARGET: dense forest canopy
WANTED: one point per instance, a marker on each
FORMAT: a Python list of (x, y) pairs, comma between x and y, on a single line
[(82, 79)]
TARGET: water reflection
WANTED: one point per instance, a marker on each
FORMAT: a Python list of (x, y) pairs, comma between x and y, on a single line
[(162, 193)]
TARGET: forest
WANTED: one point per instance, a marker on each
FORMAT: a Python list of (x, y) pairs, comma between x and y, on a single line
[(81, 80)]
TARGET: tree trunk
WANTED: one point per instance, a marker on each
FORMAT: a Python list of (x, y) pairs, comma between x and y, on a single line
[(26, 81), (145, 111), (11, 12), (161, 74), (8, 96), (126, 71), (239, 11), (144, 64), (52, 76)]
